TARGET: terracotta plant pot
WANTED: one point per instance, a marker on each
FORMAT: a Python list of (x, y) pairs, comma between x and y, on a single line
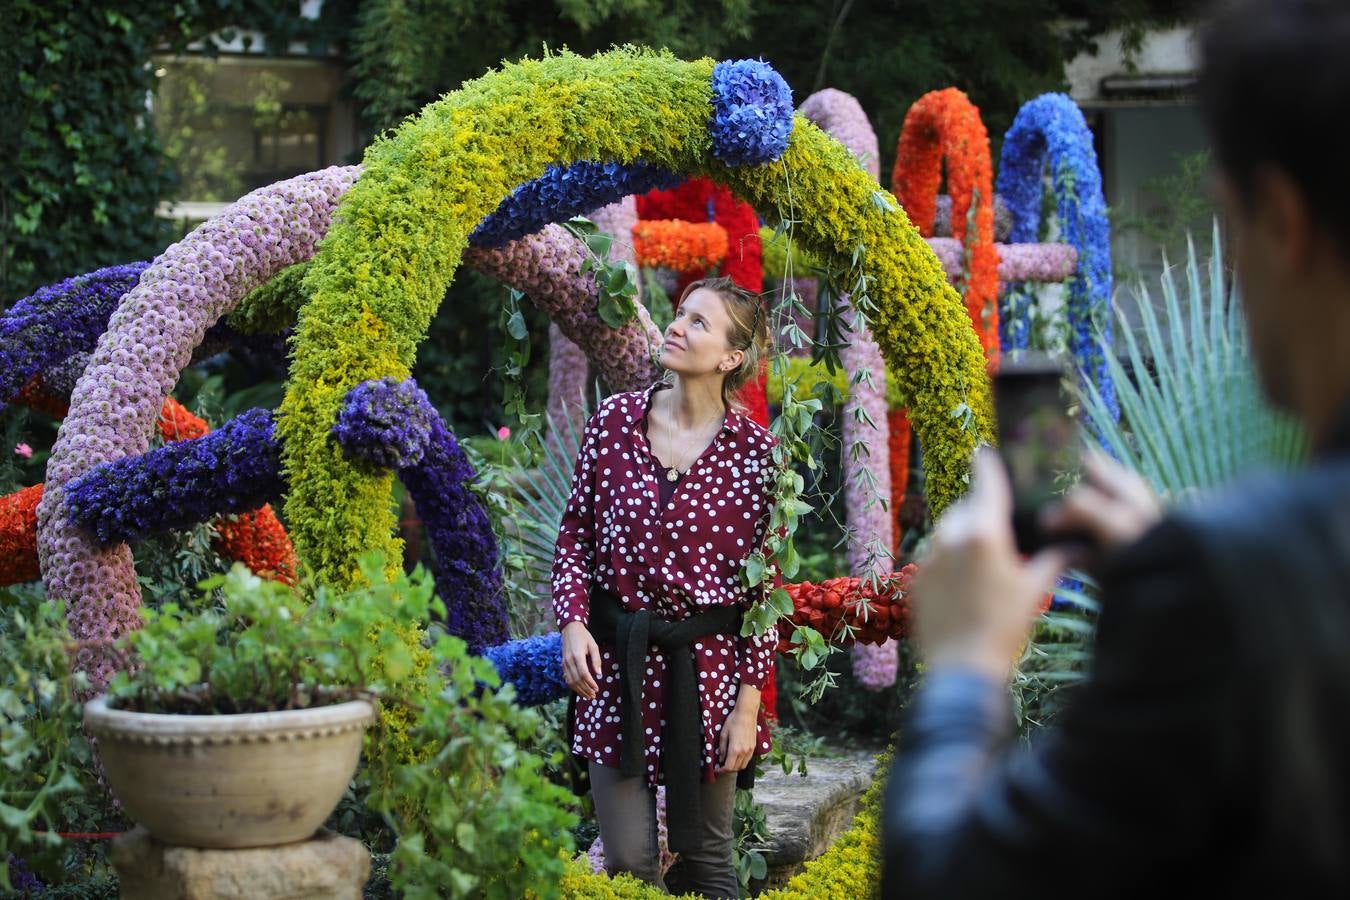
[(230, 781)]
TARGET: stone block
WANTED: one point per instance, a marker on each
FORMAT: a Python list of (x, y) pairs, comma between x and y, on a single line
[(805, 815), (326, 867)]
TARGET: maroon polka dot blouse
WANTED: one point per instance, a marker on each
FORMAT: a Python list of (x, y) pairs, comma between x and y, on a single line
[(675, 559)]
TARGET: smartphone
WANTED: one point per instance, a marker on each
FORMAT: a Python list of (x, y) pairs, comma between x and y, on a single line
[(1038, 439)]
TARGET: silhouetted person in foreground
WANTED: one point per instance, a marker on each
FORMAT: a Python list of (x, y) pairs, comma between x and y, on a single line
[(1208, 752)]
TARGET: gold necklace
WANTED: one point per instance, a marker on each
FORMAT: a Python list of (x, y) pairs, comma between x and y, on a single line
[(673, 474)]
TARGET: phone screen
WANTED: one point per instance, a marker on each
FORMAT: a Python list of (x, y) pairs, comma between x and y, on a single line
[(1038, 439)]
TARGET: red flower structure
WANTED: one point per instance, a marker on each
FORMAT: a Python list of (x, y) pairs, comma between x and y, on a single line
[(679, 245), (874, 615), (897, 424), (945, 125), (255, 538)]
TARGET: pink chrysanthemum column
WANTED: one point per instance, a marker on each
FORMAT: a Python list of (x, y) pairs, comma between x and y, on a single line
[(842, 117), (149, 341)]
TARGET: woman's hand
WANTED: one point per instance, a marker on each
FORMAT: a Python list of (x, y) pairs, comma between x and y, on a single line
[(580, 660), (736, 743)]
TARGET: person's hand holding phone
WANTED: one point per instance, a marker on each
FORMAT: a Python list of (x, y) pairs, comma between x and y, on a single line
[(974, 599), (1111, 504)]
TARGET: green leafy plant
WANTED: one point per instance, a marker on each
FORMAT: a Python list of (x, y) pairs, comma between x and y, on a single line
[(42, 748), (446, 765), (1192, 412)]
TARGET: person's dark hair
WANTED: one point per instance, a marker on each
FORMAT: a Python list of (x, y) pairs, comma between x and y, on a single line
[(1274, 83), (749, 330)]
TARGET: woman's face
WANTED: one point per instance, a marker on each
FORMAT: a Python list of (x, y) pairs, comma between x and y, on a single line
[(696, 341)]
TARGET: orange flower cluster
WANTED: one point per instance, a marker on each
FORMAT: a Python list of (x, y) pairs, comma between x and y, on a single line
[(897, 424), (945, 125), (679, 245), (875, 616), (256, 538), (18, 536)]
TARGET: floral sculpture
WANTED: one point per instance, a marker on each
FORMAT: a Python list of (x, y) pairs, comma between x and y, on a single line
[(945, 125), (372, 290), (870, 520), (1051, 129)]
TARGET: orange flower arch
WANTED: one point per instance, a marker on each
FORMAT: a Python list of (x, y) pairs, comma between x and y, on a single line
[(945, 125)]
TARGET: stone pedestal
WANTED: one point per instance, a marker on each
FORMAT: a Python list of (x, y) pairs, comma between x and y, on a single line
[(806, 815), (326, 867)]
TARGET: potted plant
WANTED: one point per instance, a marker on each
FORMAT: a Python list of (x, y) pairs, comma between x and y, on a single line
[(239, 724)]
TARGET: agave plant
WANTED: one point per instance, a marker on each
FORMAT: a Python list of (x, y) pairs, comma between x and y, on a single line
[(1192, 413), (545, 491)]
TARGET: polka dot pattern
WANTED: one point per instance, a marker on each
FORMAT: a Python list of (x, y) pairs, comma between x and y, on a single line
[(675, 560)]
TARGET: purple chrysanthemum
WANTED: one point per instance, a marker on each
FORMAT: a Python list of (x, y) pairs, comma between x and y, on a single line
[(231, 470)]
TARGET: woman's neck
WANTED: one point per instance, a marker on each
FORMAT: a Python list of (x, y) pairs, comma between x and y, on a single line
[(695, 402)]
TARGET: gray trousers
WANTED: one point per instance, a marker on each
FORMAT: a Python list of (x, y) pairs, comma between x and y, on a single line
[(626, 810)]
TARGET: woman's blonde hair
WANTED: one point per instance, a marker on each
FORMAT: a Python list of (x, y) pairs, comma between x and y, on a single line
[(749, 331)]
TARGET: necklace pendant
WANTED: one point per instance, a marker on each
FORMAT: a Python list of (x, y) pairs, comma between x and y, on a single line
[(672, 475)]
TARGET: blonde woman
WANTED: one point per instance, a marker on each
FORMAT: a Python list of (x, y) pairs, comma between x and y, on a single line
[(670, 494)]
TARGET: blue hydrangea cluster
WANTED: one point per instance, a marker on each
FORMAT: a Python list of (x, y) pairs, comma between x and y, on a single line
[(386, 423), (234, 469), (439, 479), (533, 665), (752, 112), (564, 191), (58, 321), (1051, 127)]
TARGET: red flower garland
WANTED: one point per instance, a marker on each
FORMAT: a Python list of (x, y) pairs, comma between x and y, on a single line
[(875, 616), (255, 538), (679, 245), (946, 125)]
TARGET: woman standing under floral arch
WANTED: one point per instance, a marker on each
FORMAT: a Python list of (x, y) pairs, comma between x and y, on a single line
[(671, 493)]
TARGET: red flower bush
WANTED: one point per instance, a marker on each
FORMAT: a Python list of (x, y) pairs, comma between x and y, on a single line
[(945, 125), (897, 424)]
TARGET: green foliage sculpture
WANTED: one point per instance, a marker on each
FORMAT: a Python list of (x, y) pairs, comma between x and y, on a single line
[(403, 227)]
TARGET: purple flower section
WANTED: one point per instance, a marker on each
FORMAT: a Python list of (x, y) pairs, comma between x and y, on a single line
[(231, 470), (564, 191), (866, 498), (533, 665), (841, 116), (467, 571), (387, 423), (58, 321), (547, 267), (1045, 263), (752, 112), (867, 506), (942, 220), (876, 665), (149, 340)]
